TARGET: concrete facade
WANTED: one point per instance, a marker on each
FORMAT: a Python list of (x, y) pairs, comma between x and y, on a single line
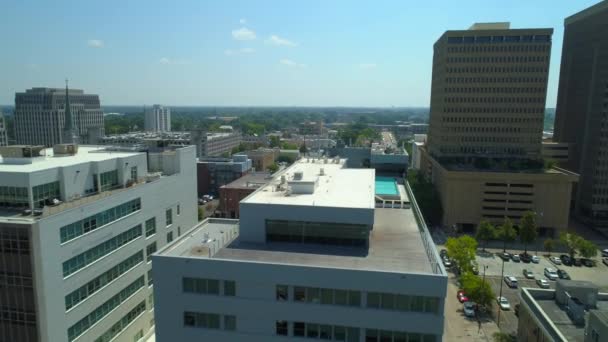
[(157, 119), (582, 109), (81, 270), (40, 116), (231, 194)]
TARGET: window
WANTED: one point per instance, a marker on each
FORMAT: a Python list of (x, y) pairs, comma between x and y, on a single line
[(119, 326), (108, 180), (282, 328), (282, 292), (134, 173), (230, 322), (150, 249), (150, 280), (151, 227), (42, 193), (229, 288), (317, 233), (179, 231), (178, 210), (299, 328), (299, 294), (169, 237), (202, 320), (169, 217), (387, 301), (205, 286)]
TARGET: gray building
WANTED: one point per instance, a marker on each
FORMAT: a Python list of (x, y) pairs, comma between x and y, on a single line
[(40, 116), (581, 118), (312, 256), (157, 119), (211, 144), (3, 134), (78, 226)]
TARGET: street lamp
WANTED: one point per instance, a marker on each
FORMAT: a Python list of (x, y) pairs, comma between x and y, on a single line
[(502, 274)]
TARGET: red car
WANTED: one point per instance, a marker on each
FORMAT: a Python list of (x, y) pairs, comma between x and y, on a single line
[(462, 297)]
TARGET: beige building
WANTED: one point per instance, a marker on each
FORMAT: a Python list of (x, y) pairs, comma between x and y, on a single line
[(581, 117), (488, 92), (469, 196), (262, 158)]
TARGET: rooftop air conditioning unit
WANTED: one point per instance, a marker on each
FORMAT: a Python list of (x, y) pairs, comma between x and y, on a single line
[(298, 175), (322, 172)]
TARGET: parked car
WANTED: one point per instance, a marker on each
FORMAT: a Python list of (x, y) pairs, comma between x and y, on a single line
[(542, 283), (551, 273), (605, 252), (469, 309), (462, 297), (566, 260), (527, 258), (515, 258), (605, 261), (505, 256), (447, 262), (511, 281), (577, 262), (443, 253), (587, 262), (535, 259), (528, 274), (503, 303), (563, 274), (555, 260)]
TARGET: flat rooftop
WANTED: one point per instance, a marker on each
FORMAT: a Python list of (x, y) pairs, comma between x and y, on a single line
[(396, 245), (250, 180), (560, 319), (49, 161), (334, 188)]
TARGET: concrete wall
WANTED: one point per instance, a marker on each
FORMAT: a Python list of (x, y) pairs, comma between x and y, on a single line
[(257, 309)]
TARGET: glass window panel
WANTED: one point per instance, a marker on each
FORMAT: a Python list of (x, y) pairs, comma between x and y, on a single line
[(229, 288), (339, 333), (373, 300), (282, 292), (325, 332), (299, 294), (354, 298), (312, 330), (327, 296)]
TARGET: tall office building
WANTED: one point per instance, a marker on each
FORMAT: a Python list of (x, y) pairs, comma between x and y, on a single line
[(3, 134), (313, 256), (157, 119), (40, 116), (488, 92), (582, 109), (78, 226), (486, 125)]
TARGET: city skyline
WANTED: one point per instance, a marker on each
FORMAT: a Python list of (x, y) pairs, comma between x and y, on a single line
[(243, 54)]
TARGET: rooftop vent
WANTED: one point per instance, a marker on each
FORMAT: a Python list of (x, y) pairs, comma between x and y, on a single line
[(65, 149), (322, 171), (298, 175)]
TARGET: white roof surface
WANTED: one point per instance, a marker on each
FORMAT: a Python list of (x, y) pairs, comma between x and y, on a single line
[(85, 154), (338, 187)]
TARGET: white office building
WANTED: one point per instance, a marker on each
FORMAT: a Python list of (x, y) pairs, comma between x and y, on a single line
[(78, 225), (157, 119), (312, 256), (417, 144)]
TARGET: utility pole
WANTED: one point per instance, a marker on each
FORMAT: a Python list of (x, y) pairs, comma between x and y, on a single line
[(502, 273)]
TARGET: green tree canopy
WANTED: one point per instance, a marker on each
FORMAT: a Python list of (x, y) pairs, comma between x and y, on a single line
[(273, 167), (506, 233), (462, 249), (549, 245), (528, 232), (570, 242), (477, 290), (485, 232), (586, 248)]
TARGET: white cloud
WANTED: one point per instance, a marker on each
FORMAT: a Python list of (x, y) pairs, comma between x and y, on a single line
[(95, 43), (170, 61), (243, 21), (239, 51), (243, 34), (368, 65), (291, 64), (276, 40)]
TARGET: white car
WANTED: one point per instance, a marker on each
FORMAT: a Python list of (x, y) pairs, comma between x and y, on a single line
[(535, 259), (503, 303), (555, 260), (605, 252), (511, 281), (469, 309), (542, 283), (551, 273)]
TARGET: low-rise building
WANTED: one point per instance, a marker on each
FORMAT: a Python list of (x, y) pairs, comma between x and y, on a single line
[(311, 257), (78, 225), (261, 158), (212, 172), (574, 312), (311, 128), (211, 144), (231, 194)]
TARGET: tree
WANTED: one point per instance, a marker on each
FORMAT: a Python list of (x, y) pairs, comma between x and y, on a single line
[(478, 290), (570, 242), (485, 231), (506, 233), (528, 232), (462, 250), (503, 337), (201, 213), (273, 167), (303, 149), (586, 248), (549, 245), (275, 141)]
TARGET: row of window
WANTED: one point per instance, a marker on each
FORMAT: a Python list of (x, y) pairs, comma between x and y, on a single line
[(485, 150), (108, 180), (494, 99), (91, 255), (44, 192), (102, 280), (510, 193), (320, 295), (209, 320), (17, 316), (514, 185), (504, 201), (498, 48), (398, 302), (374, 335), (81, 227), (490, 139), (495, 90), (15, 279), (101, 311), (495, 110), (494, 79), (13, 196), (505, 209), (477, 129), (124, 322), (514, 217), (498, 59), (208, 286), (330, 233), (318, 331), (492, 120), (543, 38), (14, 241), (496, 69)]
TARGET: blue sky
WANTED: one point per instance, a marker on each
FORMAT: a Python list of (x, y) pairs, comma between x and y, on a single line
[(224, 52)]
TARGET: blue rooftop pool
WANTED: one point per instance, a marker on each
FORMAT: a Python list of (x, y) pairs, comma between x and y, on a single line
[(386, 186)]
